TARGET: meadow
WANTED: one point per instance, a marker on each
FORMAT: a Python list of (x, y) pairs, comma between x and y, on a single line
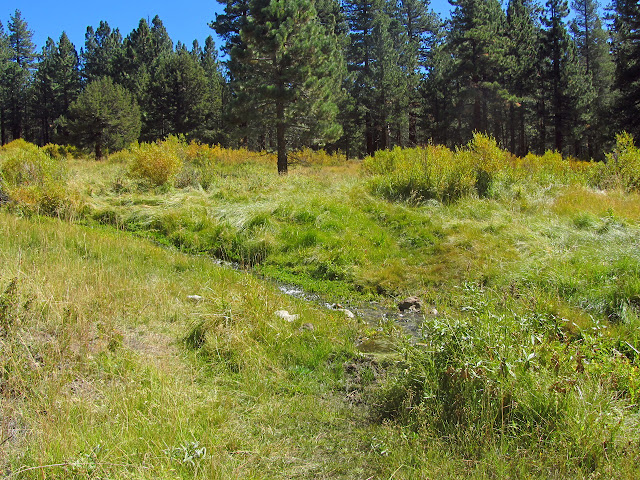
[(525, 366)]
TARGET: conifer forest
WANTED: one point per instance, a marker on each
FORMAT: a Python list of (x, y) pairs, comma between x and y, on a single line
[(356, 76)]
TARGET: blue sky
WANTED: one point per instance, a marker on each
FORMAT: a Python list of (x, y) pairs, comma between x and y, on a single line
[(185, 21)]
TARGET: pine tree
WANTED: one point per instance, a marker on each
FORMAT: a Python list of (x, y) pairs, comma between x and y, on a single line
[(43, 104), (478, 44), (593, 51), (284, 66), (179, 96), (5, 54), (420, 26), (389, 78), (627, 60), (566, 92), (21, 60), (440, 90), (555, 49), (144, 50), (139, 54), (211, 130), (56, 84), (523, 68), (67, 74), (104, 116), (378, 82), (103, 53), (162, 43), (360, 14)]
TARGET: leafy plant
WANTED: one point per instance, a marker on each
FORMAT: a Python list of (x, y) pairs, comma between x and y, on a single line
[(623, 164), (157, 163)]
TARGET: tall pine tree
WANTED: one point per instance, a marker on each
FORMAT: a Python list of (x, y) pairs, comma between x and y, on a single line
[(523, 67), (103, 53), (378, 82), (627, 60), (178, 96), (22, 57), (420, 26), (593, 51), (285, 66), (5, 55), (478, 44), (43, 104)]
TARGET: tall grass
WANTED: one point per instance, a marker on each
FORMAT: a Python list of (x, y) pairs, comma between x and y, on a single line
[(529, 368), (96, 380)]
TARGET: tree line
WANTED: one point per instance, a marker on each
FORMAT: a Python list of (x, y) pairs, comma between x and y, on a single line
[(353, 75)]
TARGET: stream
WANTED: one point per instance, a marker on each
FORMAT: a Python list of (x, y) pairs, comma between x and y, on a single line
[(371, 313)]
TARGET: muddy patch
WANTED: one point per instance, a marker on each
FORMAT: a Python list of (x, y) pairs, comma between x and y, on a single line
[(362, 376)]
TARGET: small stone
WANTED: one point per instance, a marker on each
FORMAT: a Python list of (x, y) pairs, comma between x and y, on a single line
[(285, 315), (307, 326), (194, 298), (410, 303), (348, 313), (434, 312)]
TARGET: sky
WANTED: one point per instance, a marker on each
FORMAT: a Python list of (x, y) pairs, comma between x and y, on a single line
[(185, 21)]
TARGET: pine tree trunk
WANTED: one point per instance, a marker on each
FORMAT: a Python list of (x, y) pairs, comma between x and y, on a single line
[(522, 148), (98, 148), (369, 134), (3, 131), (512, 128), (413, 130), (281, 139)]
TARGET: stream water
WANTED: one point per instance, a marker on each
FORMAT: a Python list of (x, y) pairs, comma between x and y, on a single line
[(372, 313)]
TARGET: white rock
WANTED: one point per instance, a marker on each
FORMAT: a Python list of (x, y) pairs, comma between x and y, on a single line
[(195, 298), (434, 312), (286, 315), (348, 313)]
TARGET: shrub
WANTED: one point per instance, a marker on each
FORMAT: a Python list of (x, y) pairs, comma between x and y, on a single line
[(60, 152), (320, 158), (34, 181), (157, 163), (435, 172), (203, 163), (481, 168), (623, 164), (22, 163)]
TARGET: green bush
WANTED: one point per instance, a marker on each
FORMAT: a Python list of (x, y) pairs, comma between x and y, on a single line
[(156, 163), (481, 168), (623, 164), (34, 181), (435, 172), (22, 163), (60, 152)]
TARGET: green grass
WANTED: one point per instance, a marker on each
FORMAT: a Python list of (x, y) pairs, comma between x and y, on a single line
[(529, 369)]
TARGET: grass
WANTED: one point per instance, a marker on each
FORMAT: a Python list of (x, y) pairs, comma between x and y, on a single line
[(98, 379), (528, 370)]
